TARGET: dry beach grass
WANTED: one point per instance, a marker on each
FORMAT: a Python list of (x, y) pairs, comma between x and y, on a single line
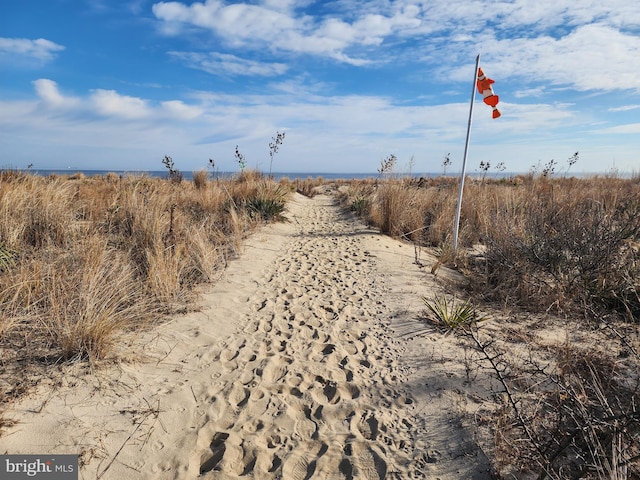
[(312, 355), (87, 258)]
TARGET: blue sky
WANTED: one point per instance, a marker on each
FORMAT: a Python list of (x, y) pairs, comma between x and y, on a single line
[(117, 84)]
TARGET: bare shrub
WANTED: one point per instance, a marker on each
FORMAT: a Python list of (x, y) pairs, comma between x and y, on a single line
[(575, 416), (562, 249)]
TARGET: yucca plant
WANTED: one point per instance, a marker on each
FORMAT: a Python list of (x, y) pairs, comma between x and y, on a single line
[(451, 315), (269, 203)]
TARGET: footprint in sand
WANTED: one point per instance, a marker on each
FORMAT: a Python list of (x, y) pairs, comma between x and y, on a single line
[(298, 467), (367, 426), (211, 459), (238, 395), (368, 464), (334, 465), (275, 369)]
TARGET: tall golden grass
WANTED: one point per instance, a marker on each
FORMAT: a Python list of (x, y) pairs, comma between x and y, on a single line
[(549, 243), (85, 259)]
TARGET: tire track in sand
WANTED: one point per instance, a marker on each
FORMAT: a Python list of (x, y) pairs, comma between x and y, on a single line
[(310, 387)]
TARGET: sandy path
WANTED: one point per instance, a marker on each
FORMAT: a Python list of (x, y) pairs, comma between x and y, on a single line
[(310, 388), (301, 365)]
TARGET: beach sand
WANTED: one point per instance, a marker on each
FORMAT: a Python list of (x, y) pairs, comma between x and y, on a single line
[(306, 360)]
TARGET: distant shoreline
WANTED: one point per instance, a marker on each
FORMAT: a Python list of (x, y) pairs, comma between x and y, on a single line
[(188, 175)]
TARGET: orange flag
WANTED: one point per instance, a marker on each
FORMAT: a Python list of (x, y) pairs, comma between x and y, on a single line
[(484, 87)]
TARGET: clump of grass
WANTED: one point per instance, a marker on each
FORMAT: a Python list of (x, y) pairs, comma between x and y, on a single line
[(357, 196), (200, 179), (308, 187), (361, 206), (418, 211), (91, 307), (558, 244), (451, 315)]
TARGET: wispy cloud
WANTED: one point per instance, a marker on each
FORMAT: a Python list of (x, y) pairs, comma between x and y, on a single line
[(624, 108), (631, 128), (225, 65)]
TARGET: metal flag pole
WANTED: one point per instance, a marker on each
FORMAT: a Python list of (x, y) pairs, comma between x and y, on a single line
[(464, 159)]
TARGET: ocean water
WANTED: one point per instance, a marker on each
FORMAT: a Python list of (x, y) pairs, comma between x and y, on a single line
[(189, 175), (289, 175)]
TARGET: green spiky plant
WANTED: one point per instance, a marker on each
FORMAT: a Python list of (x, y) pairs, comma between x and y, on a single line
[(269, 203), (450, 315)]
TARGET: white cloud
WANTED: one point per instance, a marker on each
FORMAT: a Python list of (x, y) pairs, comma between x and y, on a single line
[(48, 92), (41, 50), (222, 64), (180, 110), (237, 23), (591, 57), (286, 5), (210, 125), (111, 103)]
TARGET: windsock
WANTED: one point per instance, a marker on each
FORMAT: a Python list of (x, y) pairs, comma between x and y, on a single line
[(484, 87)]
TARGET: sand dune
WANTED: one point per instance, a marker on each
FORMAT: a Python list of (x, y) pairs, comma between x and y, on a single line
[(303, 363)]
